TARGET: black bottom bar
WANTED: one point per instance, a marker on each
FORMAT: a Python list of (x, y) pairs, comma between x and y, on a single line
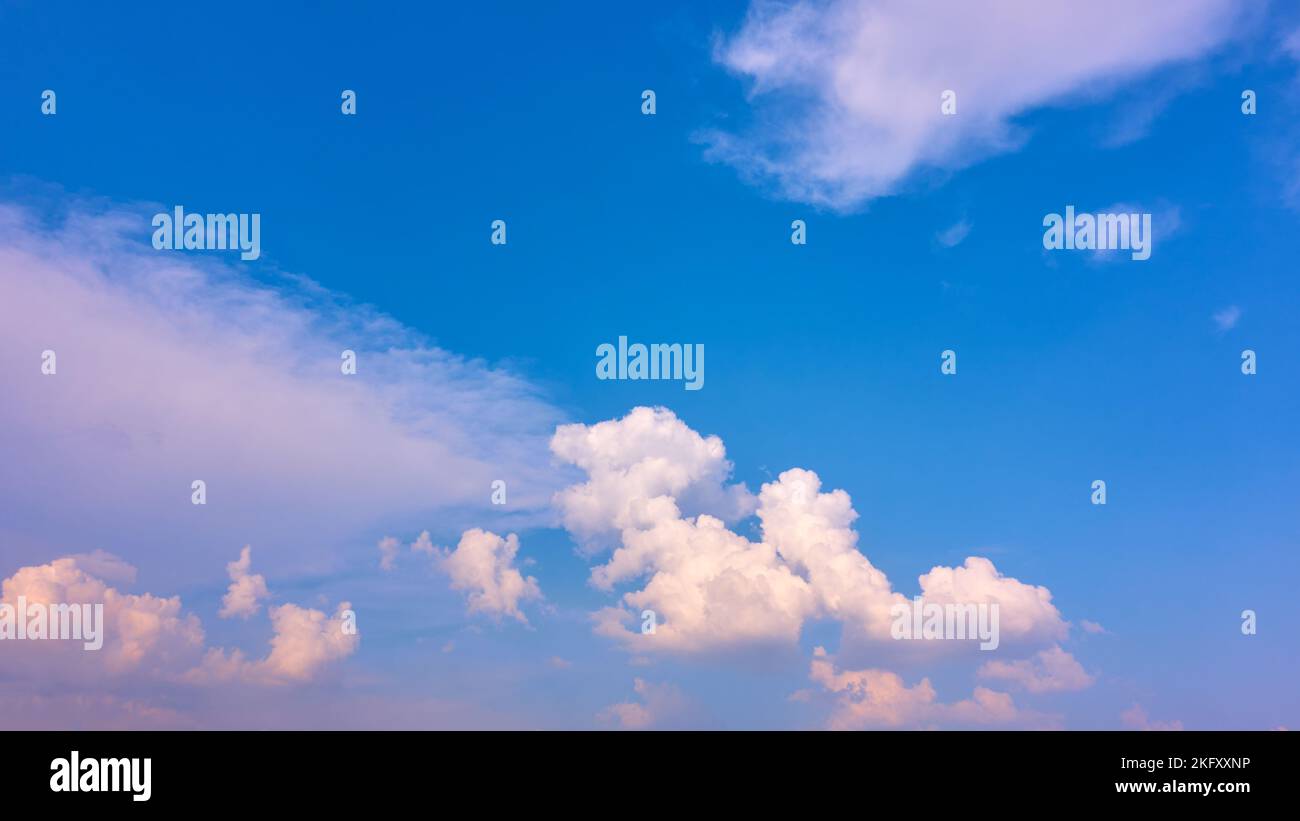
[(562, 772)]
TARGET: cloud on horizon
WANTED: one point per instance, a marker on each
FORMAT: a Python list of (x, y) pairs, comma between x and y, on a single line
[(880, 699), (149, 641)]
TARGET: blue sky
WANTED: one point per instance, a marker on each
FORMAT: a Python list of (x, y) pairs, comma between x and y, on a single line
[(1072, 367)]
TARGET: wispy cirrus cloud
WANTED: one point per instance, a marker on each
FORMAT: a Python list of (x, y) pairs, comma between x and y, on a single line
[(1226, 319), (173, 368), (954, 234)]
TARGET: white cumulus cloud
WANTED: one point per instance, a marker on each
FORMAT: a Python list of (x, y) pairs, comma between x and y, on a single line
[(713, 588)]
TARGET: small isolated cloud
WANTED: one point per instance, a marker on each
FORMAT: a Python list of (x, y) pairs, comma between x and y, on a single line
[(1166, 222), (388, 547), (246, 589), (953, 235), (660, 704), (847, 93), (484, 565), (1136, 718), (1291, 44), (559, 663), (1226, 319), (1049, 671), (423, 544), (1092, 627)]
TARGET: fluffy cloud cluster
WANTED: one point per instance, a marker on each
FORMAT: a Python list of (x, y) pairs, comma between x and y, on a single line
[(148, 638), (849, 90), (144, 635), (246, 589), (714, 589)]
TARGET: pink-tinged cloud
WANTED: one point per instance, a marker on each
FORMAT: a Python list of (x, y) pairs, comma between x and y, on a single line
[(247, 590), (144, 636), (388, 549), (880, 699), (660, 705), (1092, 627), (304, 642), (1136, 718), (150, 644), (1048, 671), (483, 565)]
